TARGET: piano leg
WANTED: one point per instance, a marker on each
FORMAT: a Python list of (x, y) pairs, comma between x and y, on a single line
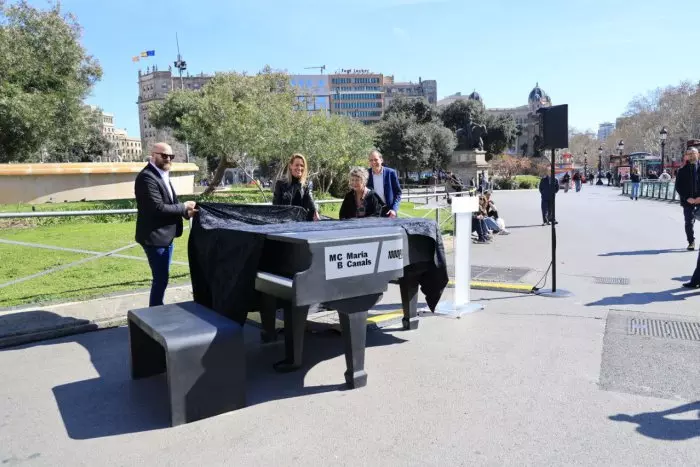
[(294, 327), (354, 329), (409, 301), (268, 318)]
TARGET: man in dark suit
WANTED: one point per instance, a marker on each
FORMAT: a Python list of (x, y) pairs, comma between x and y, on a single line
[(687, 188), (159, 217), (547, 190), (385, 182)]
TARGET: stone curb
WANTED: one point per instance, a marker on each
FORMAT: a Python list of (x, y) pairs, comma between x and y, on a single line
[(48, 333)]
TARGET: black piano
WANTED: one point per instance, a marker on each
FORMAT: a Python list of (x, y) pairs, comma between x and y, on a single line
[(343, 265)]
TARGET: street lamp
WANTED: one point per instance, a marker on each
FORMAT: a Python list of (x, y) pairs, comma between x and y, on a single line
[(663, 133), (600, 166)]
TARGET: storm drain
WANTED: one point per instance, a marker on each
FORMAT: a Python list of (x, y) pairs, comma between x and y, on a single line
[(498, 274), (611, 280), (683, 330)]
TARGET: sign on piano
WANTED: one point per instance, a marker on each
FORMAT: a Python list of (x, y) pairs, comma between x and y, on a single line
[(361, 258)]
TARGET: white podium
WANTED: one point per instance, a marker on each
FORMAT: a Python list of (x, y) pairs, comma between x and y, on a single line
[(462, 209)]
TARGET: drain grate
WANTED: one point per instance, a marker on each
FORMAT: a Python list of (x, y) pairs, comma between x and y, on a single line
[(611, 280), (684, 330)]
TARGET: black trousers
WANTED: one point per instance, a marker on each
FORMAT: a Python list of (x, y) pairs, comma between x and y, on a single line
[(546, 211), (689, 221)]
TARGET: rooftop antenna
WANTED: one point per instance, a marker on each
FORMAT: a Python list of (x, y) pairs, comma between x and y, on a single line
[(322, 67), (180, 64)]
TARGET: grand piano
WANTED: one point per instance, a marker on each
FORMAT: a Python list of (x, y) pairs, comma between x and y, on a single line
[(342, 265)]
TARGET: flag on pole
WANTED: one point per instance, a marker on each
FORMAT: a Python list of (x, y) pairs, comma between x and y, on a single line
[(135, 59)]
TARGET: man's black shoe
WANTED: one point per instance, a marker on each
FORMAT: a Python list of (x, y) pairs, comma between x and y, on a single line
[(690, 285)]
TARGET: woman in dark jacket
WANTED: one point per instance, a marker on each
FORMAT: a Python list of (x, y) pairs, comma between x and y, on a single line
[(360, 200), (293, 190)]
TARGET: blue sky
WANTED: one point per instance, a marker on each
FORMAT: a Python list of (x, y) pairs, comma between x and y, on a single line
[(594, 55)]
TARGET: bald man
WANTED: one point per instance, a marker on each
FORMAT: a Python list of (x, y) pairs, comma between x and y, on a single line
[(159, 217)]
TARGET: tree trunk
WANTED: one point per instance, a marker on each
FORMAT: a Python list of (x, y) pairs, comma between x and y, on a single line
[(218, 175)]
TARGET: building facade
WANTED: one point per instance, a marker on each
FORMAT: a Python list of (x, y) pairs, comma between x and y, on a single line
[(422, 89), (525, 116), (154, 85), (123, 147), (357, 94), (605, 130), (312, 90)]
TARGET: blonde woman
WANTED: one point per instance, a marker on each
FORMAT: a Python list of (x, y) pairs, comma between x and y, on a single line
[(360, 200), (293, 190)]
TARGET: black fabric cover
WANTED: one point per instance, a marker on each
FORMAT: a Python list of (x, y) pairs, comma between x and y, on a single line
[(226, 244)]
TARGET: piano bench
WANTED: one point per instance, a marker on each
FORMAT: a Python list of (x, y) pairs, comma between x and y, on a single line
[(201, 351)]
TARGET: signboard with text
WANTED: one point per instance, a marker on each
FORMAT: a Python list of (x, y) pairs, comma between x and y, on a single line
[(361, 258)]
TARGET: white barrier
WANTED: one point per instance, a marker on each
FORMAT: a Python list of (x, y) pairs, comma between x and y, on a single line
[(462, 209)]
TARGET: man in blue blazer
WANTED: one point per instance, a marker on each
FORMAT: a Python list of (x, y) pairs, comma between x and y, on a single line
[(385, 182)]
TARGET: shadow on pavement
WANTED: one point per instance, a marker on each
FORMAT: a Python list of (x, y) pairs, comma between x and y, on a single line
[(114, 404), (682, 279), (511, 227), (645, 298), (644, 252), (656, 424)]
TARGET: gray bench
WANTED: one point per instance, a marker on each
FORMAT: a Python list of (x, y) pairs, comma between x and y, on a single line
[(201, 351)]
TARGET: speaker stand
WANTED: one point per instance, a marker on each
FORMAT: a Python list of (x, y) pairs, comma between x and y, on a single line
[(558, 293)]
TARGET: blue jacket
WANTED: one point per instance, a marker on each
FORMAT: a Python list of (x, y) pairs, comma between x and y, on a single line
[(546, 187), (392, 187)]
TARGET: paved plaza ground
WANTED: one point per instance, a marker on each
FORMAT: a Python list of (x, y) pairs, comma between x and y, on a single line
[(609, 376)]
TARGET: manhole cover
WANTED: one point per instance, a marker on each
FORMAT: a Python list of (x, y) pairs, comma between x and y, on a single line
[(611, 280), (498, 274), (684, 330)]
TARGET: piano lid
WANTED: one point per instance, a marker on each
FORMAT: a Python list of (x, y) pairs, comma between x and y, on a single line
[(323, 236)]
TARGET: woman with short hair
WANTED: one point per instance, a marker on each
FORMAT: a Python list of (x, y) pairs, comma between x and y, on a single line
[(293, 190), (360, 200)]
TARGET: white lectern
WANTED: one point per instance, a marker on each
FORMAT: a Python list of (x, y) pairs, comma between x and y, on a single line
[(462, 209)]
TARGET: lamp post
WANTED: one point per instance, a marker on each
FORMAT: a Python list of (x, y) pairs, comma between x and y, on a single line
[(663, 133), (600, 166)]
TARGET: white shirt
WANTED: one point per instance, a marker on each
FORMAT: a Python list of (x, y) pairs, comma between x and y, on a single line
[(165, 175), (378, 181)]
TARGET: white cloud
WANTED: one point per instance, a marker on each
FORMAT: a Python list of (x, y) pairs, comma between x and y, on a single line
[(400, 33)]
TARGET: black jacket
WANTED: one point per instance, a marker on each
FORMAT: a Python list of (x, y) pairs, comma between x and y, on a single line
[(159, 218), (374, 206), (294, 194), (687, 183)]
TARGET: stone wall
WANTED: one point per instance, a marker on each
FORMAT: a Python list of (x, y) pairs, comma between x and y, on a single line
[(42, 183)]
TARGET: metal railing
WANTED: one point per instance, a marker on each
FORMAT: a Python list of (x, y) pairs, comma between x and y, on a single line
[(107, 212), (653, 189)]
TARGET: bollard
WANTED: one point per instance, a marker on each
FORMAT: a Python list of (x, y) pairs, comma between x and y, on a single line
[(462, 209)]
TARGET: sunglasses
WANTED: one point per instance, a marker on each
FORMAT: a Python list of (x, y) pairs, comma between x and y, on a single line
[(166, 156)]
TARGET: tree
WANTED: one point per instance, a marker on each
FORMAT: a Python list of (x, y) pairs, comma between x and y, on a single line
[(501, 134), (501, 130), (583, 142), (44, 76), (419, 108), (404, 143), (442, 145), (411, 136), (250, 121), (234, 116), (460, 111)]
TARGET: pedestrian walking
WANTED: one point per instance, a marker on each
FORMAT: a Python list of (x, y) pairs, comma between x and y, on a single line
[(687, 189), (635, 178)]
